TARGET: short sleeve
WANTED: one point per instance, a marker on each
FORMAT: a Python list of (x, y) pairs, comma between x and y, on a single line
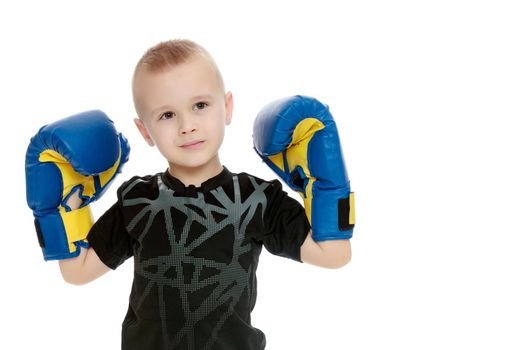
[(109, 238), (285, 223)]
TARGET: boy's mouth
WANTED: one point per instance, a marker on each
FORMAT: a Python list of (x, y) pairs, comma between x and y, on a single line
[(192, 144)]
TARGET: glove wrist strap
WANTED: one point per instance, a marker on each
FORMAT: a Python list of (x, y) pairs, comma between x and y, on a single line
[(332, 214), (62, 233)]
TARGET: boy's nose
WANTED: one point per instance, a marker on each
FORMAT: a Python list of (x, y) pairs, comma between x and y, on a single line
[(186, 125), (184, 131)]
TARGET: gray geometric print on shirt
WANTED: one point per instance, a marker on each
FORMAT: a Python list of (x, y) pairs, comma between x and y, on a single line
[(232, 279)]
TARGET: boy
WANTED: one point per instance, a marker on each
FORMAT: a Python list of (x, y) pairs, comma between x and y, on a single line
[(195, 230)]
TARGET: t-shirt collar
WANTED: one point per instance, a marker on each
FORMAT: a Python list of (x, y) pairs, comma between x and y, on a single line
[(178, 186)]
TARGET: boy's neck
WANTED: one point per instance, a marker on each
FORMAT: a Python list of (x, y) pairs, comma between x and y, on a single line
[(195, 176)]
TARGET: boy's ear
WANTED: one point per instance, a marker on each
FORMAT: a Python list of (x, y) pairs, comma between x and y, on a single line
[(229, 107), (144, 132)]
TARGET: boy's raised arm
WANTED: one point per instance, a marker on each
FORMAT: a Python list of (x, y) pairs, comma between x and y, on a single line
[(69, 164), (87, 266), (84, 268), (298, 139), (331, 254)]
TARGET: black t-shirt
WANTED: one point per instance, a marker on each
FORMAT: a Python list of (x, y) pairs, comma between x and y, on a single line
[(196, 251)]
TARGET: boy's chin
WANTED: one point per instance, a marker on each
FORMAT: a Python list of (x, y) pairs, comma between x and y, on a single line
[(195, 165)]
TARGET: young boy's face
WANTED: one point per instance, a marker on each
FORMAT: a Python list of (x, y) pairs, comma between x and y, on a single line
[(183, 110)]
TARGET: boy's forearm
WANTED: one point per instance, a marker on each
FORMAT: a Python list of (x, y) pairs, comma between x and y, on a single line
[(83, 269), (331, 254), (86, 266), (72, 269)]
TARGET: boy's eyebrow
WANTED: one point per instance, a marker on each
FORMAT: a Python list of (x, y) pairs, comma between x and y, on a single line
[(203, 97)]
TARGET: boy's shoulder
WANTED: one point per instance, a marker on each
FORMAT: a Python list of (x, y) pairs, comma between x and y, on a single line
[(139, 184), (141, 179), (273, 185), (256, 178)]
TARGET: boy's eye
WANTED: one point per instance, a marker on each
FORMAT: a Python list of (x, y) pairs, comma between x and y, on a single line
[(167, 115), (200, 105)]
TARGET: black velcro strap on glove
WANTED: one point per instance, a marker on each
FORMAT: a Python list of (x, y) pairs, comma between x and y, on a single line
[(346, 212)]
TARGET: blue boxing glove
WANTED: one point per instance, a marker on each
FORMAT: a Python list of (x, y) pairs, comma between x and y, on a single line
[(83, 154), (297, 138)]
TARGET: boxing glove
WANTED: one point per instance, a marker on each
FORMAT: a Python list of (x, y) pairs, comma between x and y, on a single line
[(297, 138), (83, 154)]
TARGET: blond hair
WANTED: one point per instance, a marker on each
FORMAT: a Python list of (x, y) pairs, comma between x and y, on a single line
[(170, 53), (167, 54)]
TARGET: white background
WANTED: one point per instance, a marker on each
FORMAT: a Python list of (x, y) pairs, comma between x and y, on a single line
[(429, 99)]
